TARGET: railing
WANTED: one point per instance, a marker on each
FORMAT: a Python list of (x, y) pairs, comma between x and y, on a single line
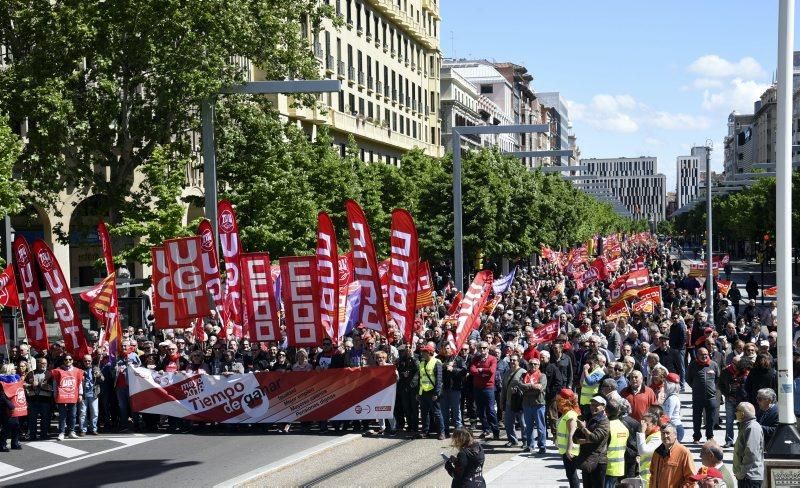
[(351, 73), (360, 77), (329, 63), (341, 69)]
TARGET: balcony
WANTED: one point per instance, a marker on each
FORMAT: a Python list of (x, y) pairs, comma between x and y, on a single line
[(394, 53), (340, 72), (369, 37), (370, 83), (413, 66), (401, 98), (385, 47), (351, 74), (329, 64), (386, 91), (361, 78), (408, 101), (379, 88), (318, 51), (375, 131), (359, 32), (394, 96)]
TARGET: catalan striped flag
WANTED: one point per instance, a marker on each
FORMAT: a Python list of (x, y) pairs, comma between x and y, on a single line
[(101, 297)]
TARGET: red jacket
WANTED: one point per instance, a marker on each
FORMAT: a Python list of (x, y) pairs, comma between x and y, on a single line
[(484, 378)]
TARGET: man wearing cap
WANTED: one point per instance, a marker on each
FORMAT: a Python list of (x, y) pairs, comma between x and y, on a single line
[(672, 465), (593, 437), (482, 370), (430, 389), (711, 458)]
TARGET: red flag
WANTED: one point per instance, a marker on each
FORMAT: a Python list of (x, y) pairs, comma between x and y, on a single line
[(301, 301), (33, 311), (67, 313), (724, 286), (403, 272), (544, 334), (163, 300), (199, 330), (8, 289), (558, 289), (617, 310), (112, 322), (424, 288), (259, 297), (100, 298), (470, 308), (455, 304), (651, 293), (211, 268), (492, 304), (185, 263), (597, 271), (16, 393), (772, 291), (365, 266), (328, 275), (627, 285), (229, 240)]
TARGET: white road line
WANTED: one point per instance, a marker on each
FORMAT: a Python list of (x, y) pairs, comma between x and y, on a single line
[(7, 469), (73, 460), (239, 480), (504, 468), (57, 448)]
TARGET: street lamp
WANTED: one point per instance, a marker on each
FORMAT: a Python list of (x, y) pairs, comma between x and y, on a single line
[(464, 130), (207, 117)]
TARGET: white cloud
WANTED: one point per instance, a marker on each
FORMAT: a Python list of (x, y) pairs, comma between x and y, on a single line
[(652, 141), (679, 121), (713, 66), (738, 95), (703, 84)]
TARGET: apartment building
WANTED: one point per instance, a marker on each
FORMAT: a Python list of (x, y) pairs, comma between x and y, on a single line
[(388, 58), (634, 182)]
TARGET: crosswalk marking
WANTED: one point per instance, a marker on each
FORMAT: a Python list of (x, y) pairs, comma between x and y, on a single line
[(7, 469), (57, 448)]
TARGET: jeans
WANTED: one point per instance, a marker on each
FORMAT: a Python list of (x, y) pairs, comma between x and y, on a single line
[(39, 409), (90, 406), (451, 409), (430, 408), (750, 483), (66, 417), (682, 369), (679, 431), (572, 471), (534, 417), (730, 419), (487, 410), (611, 481), (699, 407), (510, 420)]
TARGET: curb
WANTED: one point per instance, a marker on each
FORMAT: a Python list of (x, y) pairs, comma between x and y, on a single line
[(254, 475)]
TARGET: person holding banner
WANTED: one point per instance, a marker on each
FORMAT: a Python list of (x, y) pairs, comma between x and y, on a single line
[(12, 406), (68, 385)]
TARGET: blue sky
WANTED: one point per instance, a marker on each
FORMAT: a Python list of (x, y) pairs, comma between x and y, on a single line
[(641, 77)]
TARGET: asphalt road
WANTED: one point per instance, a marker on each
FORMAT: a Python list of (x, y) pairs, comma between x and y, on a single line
[(161, 461)]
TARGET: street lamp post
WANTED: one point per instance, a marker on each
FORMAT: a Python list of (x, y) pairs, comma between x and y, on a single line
[(462, 130), (785, 444), (207, 131), (709, 240)]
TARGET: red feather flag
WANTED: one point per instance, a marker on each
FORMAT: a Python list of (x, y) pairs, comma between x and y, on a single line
[(403, 272), (33, 311), (365, 267), (328, 275), (300, 290)]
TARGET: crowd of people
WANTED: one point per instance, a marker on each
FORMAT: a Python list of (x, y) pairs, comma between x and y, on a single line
[(604, 393)]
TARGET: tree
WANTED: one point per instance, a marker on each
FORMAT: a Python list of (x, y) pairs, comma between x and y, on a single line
[(105, 84), (10, 188)]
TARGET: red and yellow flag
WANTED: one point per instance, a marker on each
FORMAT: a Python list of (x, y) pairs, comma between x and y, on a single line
[(724, 286), (771, 291)]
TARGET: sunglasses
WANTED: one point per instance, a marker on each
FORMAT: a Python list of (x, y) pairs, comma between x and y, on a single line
[(618, 369), (67, 359)]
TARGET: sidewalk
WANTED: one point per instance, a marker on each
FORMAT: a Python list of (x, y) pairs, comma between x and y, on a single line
[(548, 471)]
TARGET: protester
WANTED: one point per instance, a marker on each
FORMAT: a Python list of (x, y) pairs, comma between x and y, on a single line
[(454, 372), (430, 389), (39, 393), (618, 440), (9, 424), (703, 376), (672, 403), (711, 456), (767, 412), (639, 396), (672, 465), (647, 440), (748, 452), (731, 386), (89, 407), (512, 399), (482, 370), (568, 409), (534, 385), (592, 435)]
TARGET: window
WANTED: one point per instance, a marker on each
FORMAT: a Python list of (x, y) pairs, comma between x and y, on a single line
[(341, 101)]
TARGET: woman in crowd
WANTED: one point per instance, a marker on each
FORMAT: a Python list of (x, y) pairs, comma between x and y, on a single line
[(568, 410), (301, 362), (672, 403)]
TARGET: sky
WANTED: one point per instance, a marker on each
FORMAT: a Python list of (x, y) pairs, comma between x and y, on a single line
[(641, 78)]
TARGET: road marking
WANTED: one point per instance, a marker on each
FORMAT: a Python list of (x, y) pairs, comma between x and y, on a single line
[(6, 469), (73, 460), (504, 468), (57, 448), (258, 472)]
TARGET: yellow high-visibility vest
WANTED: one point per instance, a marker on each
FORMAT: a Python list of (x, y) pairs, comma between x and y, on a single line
[(645, 459), (616, 448), (588, 392), (562, 433), (427, 375)]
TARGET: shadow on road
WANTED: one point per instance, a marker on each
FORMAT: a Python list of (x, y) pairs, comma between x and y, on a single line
[(108, 473)]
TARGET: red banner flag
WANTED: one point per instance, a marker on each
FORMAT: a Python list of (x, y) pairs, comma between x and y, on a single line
[(492, 304), (544, 334), (33, 311), (301, 301), (453, 308), (16, 393), (112, 322), (328, 275), (263, 321), (185, 263), (618, 310), (424, 287), (8, 289), (597, 271), (558, 289), (67, 313), (470, 308), (724, 286), (365, 267), (211, 268), (403, 272), (229, 240), (163, 300), (651, 293), (627, 285), (772, 291)]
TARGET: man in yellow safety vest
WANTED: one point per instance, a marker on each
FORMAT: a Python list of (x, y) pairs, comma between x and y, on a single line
[(593, 372), (618, 439), (430, 390)]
